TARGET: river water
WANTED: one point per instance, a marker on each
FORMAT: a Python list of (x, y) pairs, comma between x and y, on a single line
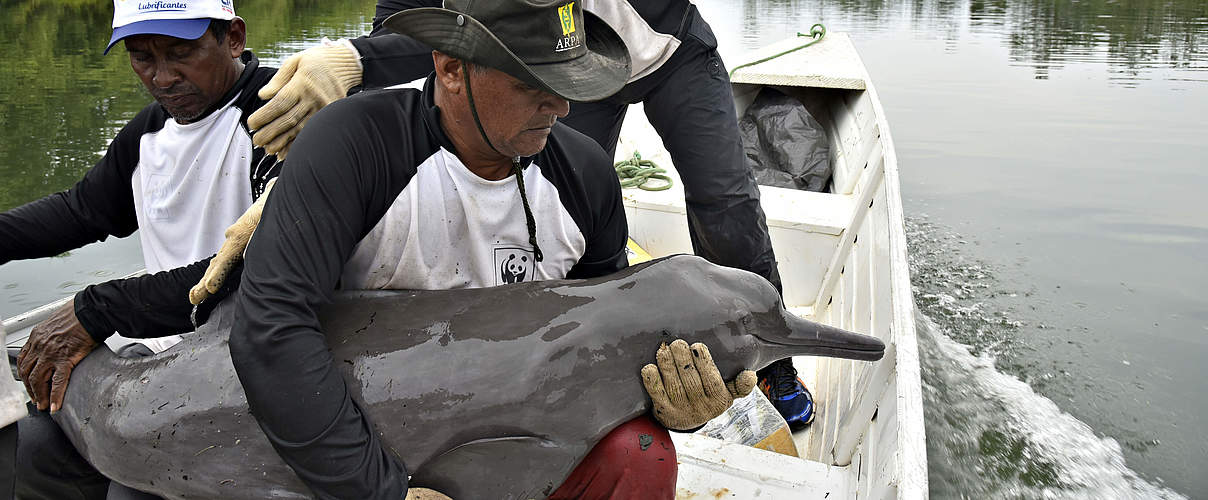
[(1053, 173)]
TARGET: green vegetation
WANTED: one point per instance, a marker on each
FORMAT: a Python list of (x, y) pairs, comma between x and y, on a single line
[(1047, 34), (62, 100), (1136, 34)]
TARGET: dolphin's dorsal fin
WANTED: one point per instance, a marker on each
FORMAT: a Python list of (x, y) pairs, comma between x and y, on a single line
[(507, 462)]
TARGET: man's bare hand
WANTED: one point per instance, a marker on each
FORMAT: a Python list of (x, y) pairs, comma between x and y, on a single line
[(307, 82), (687, 389), (53, 350), (237, 237)]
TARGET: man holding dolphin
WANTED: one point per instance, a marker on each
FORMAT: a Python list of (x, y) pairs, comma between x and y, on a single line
[(470, 183), (675, 72)]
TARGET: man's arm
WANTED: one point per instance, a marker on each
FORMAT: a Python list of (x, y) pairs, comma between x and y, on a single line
[(607, 230), (391, 59), (142, 307), (161, 304), (149, 306), (315, 77), (99, 205), (386, 8), (328, 196)]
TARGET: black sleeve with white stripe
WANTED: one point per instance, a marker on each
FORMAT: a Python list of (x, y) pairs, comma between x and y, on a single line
[(386, 8), (589, 189), (337, 183), (391, 59), (155, 305)]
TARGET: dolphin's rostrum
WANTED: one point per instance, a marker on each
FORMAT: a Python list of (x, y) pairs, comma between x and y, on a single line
[(482, 393)]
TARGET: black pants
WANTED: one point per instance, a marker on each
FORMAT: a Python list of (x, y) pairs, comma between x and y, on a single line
[(49, 468), (689, 102)]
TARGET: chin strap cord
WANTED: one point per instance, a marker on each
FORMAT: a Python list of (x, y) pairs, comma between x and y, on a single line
[(465, 73), (517, 170), (528, 213)]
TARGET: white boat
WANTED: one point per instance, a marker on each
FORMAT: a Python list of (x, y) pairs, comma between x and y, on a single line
[(842, 259)]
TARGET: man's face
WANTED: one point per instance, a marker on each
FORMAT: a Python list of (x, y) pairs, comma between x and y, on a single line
[(186, 77), (516, 116)]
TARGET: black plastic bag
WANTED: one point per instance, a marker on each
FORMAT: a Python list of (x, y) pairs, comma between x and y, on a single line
[(785, 146)]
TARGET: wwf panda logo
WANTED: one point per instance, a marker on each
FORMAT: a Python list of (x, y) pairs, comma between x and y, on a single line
[(515, 265), (514, 268)]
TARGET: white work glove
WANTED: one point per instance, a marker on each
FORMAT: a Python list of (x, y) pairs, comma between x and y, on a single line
[(237, 236), (425, 494), (306, 82), (686, 388)]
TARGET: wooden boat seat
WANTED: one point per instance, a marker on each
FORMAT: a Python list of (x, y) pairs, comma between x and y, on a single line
[(831, 63)]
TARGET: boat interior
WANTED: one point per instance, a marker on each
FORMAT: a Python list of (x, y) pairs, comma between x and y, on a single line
[(841, 257)]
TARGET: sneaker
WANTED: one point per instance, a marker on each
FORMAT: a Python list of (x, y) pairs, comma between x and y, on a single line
[(780, 383)]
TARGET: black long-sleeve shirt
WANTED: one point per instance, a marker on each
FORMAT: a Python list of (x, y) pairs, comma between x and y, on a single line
[(374, 196)]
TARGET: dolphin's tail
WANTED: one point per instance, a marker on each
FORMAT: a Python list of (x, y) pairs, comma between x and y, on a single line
[(805, 337)]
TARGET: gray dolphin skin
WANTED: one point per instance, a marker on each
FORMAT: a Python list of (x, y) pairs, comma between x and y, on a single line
[(482, 393)]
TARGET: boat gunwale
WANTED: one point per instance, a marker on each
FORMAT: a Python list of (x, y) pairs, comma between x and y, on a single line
[(911, 431), (909, 480)]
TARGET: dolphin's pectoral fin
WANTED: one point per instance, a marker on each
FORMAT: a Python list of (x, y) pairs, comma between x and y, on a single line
[(484, 467)]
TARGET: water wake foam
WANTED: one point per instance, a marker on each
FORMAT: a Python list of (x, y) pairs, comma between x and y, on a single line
[(989, 434)]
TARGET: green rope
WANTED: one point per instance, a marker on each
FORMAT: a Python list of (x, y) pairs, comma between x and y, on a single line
[(817, 31), (635, 171)]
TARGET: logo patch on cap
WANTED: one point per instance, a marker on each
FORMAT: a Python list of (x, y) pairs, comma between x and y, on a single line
[(570, 37), (161, 6), (567, 16)]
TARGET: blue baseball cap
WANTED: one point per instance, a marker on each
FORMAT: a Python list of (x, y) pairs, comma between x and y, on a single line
[(184, 19)]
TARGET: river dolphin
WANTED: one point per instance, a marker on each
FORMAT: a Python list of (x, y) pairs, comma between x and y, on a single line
[(482, 393)]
